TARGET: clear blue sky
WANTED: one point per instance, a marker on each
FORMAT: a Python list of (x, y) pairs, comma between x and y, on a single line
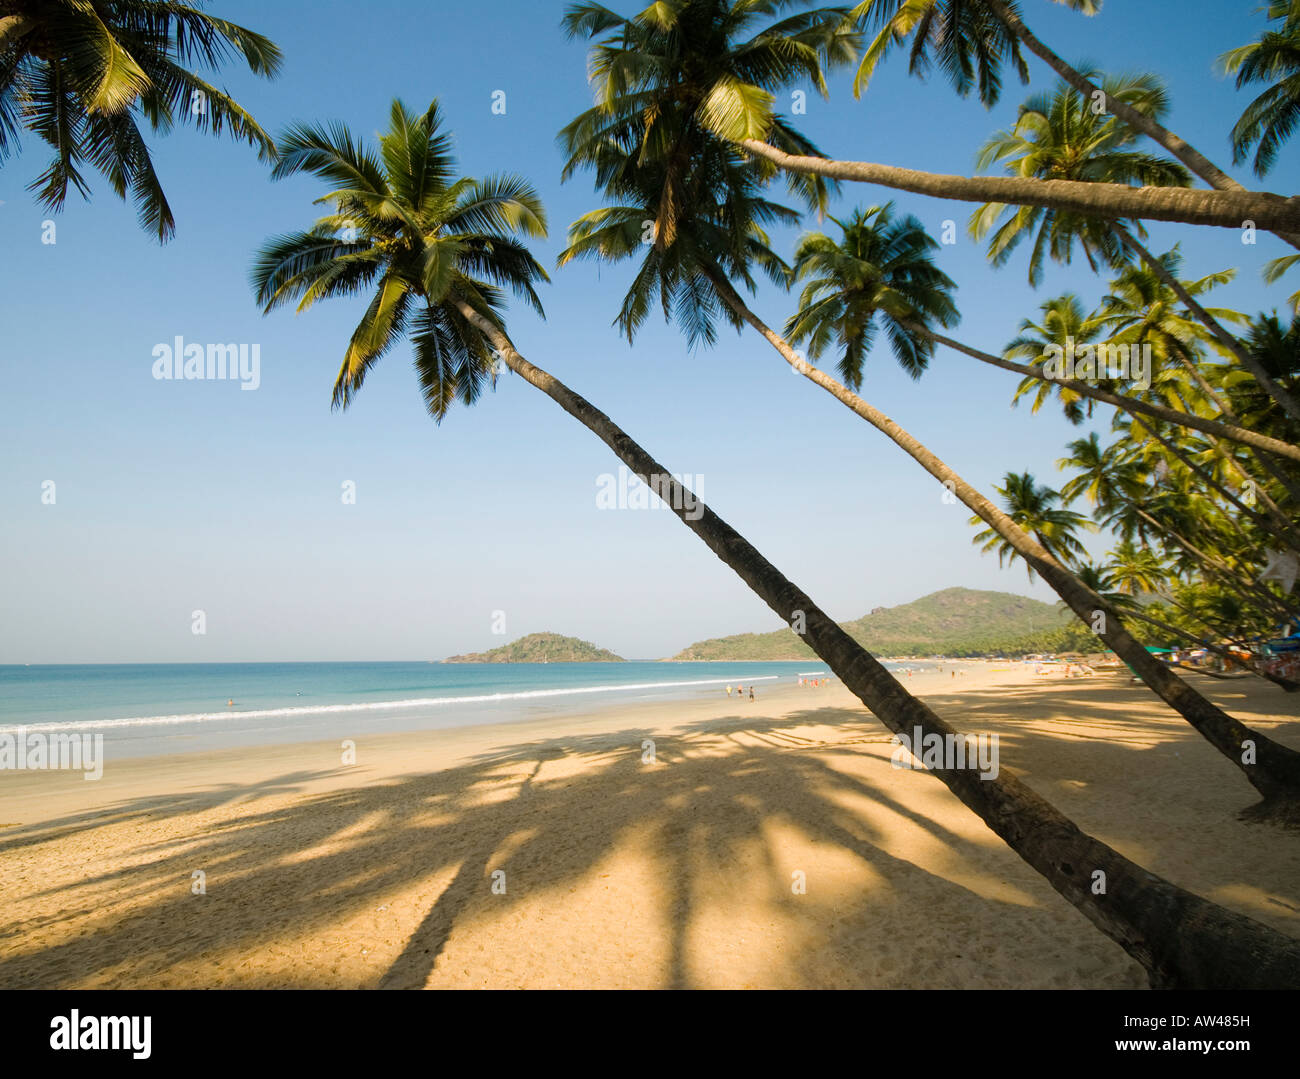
[(176, 496)]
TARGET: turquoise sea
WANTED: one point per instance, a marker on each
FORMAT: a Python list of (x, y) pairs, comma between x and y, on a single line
[(148, 709)]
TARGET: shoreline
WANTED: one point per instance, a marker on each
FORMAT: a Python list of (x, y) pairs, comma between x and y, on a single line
[(446, 744), (287, 721), (451, 744)]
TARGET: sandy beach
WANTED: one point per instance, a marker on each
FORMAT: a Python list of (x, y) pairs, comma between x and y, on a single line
[(559, 854)]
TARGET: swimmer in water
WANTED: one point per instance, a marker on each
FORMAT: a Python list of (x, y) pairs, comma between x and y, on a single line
[(230, 703)]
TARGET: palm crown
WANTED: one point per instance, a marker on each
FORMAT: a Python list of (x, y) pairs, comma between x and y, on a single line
[(1036, 509), (1065, 136), (1105, 477), (1141, 308), (718, 238), (430, 244), (1063, 321), (82, 74), (967, 40), (684, 71), (1271, 118), (879, 273)]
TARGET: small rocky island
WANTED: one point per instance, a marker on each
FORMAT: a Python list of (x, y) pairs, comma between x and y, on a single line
[(542, 648)]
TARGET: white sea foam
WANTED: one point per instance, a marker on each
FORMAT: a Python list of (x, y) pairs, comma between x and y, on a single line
[(366, 706)]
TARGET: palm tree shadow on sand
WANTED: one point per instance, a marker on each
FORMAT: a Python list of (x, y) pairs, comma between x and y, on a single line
[(705, 815)]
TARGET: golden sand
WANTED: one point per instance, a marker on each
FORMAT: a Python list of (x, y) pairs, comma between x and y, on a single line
[(554, 853)]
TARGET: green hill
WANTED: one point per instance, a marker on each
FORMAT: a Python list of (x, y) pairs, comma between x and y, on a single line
[(541, 648), (953, 622)]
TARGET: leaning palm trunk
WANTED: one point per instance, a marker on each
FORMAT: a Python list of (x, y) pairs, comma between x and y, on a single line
[(1227, 575), (1216, 399), (1271, 768), (1229, 428), (1191, 206), (1133, 406), (1288, 403), (1201, 165), (1219, 572), (1180, 939), (1274, 517)]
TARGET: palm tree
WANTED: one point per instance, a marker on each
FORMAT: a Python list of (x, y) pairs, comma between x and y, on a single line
[(431, 241), (1143, 308), (879, 273), (1135, 571), (688, 271), (1155, 505), (718, 237), (1037, 510), (82, 74), (854, 287), (1102, 580), (1277, 348), (1059, 136), (718, 64), (1062, 321), (434, 248), (1198, 610), (832, 311), (1106, 476), (1013, 534), (1271, 118), (1062, 138)]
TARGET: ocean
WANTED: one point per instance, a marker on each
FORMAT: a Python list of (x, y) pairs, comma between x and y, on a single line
[(163, 708)]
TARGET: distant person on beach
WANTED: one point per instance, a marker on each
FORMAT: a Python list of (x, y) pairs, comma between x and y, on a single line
[(751, 693), (728, 691), (230, 703)]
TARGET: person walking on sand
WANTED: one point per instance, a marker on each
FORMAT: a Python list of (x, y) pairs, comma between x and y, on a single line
[(728, 690), (751, 693)]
